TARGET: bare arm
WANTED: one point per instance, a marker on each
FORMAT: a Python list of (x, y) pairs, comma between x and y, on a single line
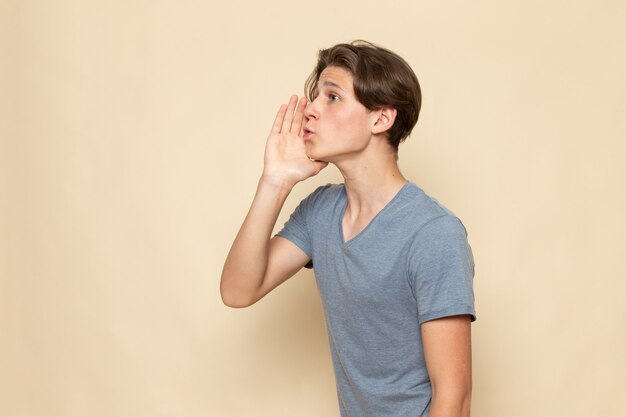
[(256, 264), (448, 355)]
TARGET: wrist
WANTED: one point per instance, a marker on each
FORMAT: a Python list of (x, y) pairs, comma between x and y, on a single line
[(277, 181)]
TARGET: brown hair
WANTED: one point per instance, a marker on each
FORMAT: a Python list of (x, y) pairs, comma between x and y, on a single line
[(381, 79)]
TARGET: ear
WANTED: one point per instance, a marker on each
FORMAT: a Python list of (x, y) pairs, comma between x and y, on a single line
[(386, 118)]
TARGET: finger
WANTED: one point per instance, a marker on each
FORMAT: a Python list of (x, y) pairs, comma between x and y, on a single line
[(278, 121), (286, 126), (296, 126)]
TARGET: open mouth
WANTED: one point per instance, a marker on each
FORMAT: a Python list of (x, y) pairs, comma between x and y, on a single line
[(307, 133)]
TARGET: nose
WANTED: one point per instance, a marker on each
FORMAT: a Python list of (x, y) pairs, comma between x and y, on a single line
[(310, 111)]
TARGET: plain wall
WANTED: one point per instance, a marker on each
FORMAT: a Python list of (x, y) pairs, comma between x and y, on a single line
[(131, 141)]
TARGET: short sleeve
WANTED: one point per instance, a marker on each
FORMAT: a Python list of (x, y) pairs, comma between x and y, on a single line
[(441, 270), (297, 229)]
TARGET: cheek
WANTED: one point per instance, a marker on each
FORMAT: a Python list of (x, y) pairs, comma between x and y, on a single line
[(359, 126), (348, 125), (347, 122)]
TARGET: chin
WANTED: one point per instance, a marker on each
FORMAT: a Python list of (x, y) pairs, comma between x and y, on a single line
[(319, 154), (318, 158), (310, 152)]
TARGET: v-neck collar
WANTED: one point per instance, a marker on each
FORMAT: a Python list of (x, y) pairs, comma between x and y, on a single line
[(345, 243)]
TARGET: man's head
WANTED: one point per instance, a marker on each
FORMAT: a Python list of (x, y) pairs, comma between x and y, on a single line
[(382, 79)]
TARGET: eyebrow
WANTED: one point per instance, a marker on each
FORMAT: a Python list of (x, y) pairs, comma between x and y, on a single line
[(329, 84)]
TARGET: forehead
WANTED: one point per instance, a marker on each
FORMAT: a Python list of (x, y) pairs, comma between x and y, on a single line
[(336, 75)]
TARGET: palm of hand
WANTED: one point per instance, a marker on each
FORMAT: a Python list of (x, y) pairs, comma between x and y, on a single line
[(285, 151)]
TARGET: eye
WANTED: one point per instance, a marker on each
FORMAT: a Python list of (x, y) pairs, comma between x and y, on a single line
[(333, 97)]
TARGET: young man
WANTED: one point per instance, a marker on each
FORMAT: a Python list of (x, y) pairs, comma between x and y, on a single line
[(393, 266)]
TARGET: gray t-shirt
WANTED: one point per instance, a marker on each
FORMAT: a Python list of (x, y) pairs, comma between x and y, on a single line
[(411, 264)]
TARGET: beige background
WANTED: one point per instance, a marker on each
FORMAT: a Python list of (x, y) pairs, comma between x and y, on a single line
[(131, 140)]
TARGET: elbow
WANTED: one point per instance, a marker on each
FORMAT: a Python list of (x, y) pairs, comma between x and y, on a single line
[(455, 401), (236, 290), (235, 303), (466, 402), (232, 299)]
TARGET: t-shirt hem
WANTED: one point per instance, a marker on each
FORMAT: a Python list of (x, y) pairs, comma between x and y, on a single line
[(298, 242), (422, 318)]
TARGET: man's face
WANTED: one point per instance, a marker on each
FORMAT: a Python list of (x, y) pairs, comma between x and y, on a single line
[(337, 124)]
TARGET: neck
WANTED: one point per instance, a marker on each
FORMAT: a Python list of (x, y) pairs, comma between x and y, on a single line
[(371, 181)]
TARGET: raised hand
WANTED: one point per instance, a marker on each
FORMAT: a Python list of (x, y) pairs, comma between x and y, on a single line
[(286, 160)]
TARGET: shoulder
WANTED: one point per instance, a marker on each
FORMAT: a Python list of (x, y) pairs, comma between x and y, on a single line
[(446, 227), (426, 215), (440, 237)]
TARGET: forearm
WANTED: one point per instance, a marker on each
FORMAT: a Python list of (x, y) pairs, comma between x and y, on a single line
[(246, 276), (246, 263)]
